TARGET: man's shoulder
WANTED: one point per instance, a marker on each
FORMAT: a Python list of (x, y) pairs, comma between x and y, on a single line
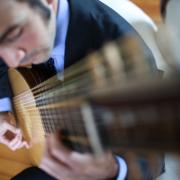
[(91, 7), (97, 13), (92, 23)]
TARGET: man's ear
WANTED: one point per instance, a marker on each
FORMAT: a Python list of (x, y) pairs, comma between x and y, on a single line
[(52, 3)]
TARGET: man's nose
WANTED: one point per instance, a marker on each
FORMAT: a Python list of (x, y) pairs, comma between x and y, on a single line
[(12, 57)]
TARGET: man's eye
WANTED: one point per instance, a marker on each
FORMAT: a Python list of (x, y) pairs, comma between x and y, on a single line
[(13, 35)]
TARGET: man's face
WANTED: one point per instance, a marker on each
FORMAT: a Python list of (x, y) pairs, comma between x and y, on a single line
[(25, 36)]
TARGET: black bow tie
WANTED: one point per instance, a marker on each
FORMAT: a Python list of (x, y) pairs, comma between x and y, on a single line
[(48, 67), (51, 66)]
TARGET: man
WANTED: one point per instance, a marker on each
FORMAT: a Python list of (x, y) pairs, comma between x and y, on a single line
[(65, 30)]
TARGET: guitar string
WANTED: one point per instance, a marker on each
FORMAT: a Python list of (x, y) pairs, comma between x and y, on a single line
[(116, 129), (68, 73), (68, 128), (48, 125), (68, 125), (100, 59), (62, 91), (153, 111), (45, 87)]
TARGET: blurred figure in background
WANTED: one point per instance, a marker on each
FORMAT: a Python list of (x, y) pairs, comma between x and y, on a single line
[(169, 42), (170, 11)]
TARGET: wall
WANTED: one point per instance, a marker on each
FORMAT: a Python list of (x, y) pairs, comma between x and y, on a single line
[(151, 7)]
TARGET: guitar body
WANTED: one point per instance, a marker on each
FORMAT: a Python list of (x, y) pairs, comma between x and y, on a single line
[(13, 162)]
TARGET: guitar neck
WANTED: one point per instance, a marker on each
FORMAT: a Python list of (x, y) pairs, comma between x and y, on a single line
[(149, 122), (147, 116)]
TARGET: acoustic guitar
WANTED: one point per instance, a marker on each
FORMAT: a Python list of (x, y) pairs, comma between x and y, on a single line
[(109, 100)]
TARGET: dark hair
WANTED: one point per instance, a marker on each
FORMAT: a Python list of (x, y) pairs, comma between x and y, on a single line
[(46, 13), (163, 6)]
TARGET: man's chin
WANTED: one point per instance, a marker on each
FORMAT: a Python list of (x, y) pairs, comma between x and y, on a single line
[(40, 61)]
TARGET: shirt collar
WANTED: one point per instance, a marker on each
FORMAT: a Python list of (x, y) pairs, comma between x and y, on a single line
[(62, 21)]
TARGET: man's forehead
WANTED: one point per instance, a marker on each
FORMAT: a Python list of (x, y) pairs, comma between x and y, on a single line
[(11, 12), (7, 2)]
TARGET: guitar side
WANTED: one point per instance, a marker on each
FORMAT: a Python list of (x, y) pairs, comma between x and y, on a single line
[(13, 162)]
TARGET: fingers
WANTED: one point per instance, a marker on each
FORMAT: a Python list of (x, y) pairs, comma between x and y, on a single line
[(72, 158), (56, 149), (52, 165), (62, 163), (18, 141), (12, 137)]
